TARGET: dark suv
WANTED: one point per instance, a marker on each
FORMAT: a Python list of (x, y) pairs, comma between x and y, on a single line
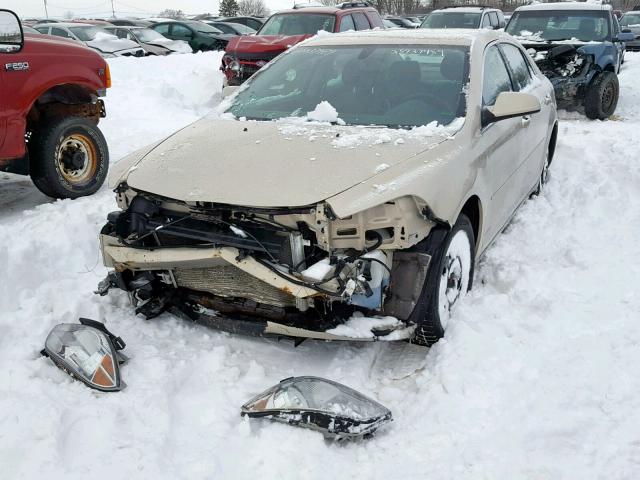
[(579, 47), (247, 54)]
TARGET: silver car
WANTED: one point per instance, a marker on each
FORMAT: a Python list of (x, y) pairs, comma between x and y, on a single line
[(96, 37), (346, 191)]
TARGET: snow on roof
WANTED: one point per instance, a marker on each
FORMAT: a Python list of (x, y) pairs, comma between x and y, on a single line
[(447, 36), (565, 6)]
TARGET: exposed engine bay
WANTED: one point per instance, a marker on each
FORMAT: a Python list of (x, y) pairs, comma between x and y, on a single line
[(569, 70), (265, 271)]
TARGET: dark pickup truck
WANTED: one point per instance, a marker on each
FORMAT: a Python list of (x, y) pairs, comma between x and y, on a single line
[(49, 111)]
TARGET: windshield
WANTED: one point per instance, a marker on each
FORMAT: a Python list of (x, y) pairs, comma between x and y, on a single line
[(631, 20), (203, 27), (148, 35), (551, 26), (297, 24), (235, 27), (390, 85), (87, 34), (452, 20)]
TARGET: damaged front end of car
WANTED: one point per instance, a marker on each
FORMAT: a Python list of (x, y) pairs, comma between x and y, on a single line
[(292, 272), (570, 70)]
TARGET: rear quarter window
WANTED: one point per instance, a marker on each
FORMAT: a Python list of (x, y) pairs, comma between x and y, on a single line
[(375, 20)]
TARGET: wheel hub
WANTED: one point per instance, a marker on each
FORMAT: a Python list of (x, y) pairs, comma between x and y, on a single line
[(76, 158)]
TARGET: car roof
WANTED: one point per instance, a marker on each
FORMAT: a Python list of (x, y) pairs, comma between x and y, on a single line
[(420, 36), (464, 9), (325, 10), (565, 6), (68, 24)]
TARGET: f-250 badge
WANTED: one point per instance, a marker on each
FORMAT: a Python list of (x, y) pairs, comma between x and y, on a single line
[(16, 66)]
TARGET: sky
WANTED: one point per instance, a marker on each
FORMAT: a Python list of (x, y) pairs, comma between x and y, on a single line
[(102, 8)]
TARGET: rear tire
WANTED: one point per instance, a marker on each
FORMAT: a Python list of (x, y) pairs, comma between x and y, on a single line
[(449, 278), (601, 99), (69, 157)]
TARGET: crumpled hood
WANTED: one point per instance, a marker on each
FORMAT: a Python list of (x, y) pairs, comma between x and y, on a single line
[(261, 164), (179, 46), (112, 45), (269, 44)]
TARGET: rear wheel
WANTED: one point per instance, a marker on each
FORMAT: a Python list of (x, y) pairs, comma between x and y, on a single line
[(69, 157), (602, 96), (449, 278)]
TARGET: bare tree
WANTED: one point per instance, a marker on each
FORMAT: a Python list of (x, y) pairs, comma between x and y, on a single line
[(255, 8), (68, 15), (169, 13)]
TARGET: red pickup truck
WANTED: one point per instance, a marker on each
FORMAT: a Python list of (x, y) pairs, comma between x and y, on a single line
[(49, 111)]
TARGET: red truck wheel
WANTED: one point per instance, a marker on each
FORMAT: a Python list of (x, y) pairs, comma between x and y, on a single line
[(69, 157)]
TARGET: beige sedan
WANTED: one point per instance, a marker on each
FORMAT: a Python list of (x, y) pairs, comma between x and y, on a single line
[(345, 192)]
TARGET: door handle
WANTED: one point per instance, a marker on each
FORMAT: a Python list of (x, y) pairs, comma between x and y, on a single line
[(526, 120)]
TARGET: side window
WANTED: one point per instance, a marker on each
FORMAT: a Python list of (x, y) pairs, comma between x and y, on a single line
[(162, 29), (375, 20), (346, 23), (60, 32), (485, 21), (495, 77), (180, 31), (120, 33), (493, 18), (362, 23), (517, 65), (44, 30)]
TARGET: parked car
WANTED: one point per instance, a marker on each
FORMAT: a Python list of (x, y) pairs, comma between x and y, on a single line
[(245, 55), (630, 22), (252, 22), (50, 96), (579, 47), (388, 24), (95, 37), (28, 29), (231, 28), (200, 36), (151, 41), (465, 17), (402, 22), (411, 154)]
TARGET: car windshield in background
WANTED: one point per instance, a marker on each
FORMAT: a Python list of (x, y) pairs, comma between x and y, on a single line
[(390, 85), (630, 20), (298, 24), (552, 26), (87, 34), (452, 20), (243, 28), (148, 35), (203, 27)]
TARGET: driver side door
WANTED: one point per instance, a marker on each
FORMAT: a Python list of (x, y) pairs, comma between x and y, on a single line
[(182, 32)]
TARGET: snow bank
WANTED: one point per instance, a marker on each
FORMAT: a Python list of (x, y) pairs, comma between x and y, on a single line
[(537, 377)]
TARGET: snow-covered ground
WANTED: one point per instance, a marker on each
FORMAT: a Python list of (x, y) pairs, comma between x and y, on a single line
[(538, 376)]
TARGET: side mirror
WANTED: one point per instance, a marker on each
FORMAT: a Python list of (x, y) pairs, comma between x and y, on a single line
[(228, 90), (625, 36), (11, 34), (509, 105)]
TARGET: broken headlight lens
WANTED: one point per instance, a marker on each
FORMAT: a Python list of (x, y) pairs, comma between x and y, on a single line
[(312, 402), (88, 352)]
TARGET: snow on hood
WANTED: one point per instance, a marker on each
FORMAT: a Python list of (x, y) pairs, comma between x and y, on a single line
[(263, 164), (108, 43), (534, 38), (179, 46)]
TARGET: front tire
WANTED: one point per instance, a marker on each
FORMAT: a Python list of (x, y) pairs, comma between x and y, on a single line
[(449, 278), (69, 157), (601, 99)]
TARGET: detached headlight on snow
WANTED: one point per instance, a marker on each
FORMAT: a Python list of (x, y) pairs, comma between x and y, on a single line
[(329, 407), (88, 352)]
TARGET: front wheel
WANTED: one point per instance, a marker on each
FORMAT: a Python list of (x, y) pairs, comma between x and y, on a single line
[(449, 278), (69, 157), (601, 99)]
